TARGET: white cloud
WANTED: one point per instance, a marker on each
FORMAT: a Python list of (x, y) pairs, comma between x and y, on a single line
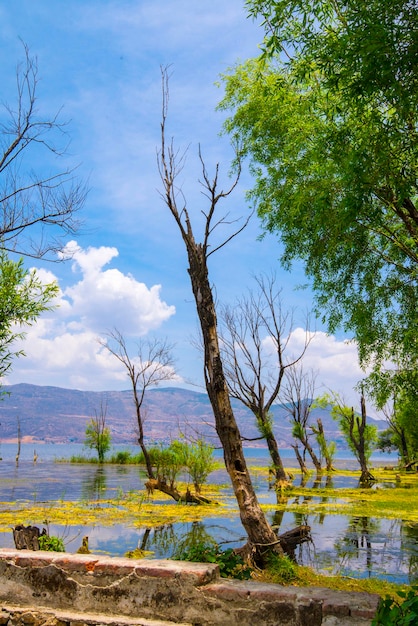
[(335, 361), (63, 347)]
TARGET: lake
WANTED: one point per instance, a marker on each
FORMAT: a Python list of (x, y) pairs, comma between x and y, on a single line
[(352, 546)]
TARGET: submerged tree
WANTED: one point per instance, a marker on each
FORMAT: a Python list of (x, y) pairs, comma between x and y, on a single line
[(255, 335), (261, 536), (298, 396), (152, 365), (360, 436), (98, 434)]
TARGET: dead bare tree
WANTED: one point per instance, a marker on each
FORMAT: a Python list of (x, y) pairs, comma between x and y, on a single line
[(255, 335), (152, 365), (261, 536), (298, 396), (32, 202)]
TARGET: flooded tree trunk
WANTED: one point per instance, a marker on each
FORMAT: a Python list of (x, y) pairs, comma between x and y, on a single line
[(360, 444), (261, 536), (300, 460), (327, 455), (273, 448), (260, 533)]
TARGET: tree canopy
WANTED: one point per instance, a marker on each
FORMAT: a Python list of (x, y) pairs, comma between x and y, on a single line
[(328, 118), (23, 297)]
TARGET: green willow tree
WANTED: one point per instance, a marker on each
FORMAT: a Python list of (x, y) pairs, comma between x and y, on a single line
[(361, 437), (402, 432), (328, 117), (23, 297), (98, 435)]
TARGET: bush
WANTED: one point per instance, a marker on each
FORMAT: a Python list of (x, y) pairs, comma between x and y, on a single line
[(51, 543), (122, 457), (231, 565), (394, 613), (281, 568)]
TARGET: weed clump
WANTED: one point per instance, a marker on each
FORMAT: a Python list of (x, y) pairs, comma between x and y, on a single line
[(404, 612), (231, 565)]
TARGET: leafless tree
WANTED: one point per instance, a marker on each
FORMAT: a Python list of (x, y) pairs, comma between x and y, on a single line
[(152, 365), (261, 536), (31, 199), (255, 336), (298, 395)]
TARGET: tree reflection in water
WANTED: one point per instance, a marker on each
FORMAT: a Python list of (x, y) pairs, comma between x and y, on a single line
[(172, 540), (356, 543), (409, 543), (94, 484)]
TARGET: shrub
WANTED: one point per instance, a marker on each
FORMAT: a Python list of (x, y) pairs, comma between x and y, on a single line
[(281, 568), (231, 565), (394, 613), (51, 543)]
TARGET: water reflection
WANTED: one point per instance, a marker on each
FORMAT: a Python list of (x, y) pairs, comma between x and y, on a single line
[(94, 484), (355, 546), (356, 543), (409, 542)]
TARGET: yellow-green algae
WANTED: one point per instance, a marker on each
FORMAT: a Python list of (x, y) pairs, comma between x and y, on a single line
[(398, 501), (138, 510)]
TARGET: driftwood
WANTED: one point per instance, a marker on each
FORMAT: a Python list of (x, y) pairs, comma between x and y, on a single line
[(172, 491), (27, 537), (288, 541), (292, 538)]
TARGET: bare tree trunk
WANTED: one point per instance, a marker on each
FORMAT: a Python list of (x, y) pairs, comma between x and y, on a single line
[(300, 459), (278, 468), (317, 463), (260, 533), (366, 475), (326, 449), (261, 536)]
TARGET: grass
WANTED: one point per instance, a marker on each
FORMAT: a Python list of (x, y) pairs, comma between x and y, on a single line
[(306, 577)]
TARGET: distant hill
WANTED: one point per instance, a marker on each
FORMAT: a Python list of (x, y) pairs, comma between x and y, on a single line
[(57, 415)]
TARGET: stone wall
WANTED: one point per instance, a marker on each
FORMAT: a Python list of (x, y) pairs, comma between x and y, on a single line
[(56, 589)]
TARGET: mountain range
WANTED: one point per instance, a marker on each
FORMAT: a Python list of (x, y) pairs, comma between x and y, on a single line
[(56, 415)]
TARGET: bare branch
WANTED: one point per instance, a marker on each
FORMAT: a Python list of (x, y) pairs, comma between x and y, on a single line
[(33, 202), (152, 365)]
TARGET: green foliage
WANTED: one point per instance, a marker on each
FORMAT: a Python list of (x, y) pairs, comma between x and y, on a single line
[(97, 434), (122, 457), (394, 613), (402, 434), (23, 297), (361, 437), (169, 462), (265, 426), (196, 459), (231, 565), (281, 569), (98, 437), (327, 449), (79, 458), (52, 543), (328, 117), (349, 422), (199, 462)]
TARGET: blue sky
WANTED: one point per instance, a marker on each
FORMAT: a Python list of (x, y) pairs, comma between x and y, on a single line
[(99, 62)]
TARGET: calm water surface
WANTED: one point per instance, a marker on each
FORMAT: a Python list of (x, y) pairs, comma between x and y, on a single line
[(358, 547)]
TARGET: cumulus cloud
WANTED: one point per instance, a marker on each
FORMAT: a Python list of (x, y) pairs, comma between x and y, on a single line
[(335, 361), (63, 346)]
